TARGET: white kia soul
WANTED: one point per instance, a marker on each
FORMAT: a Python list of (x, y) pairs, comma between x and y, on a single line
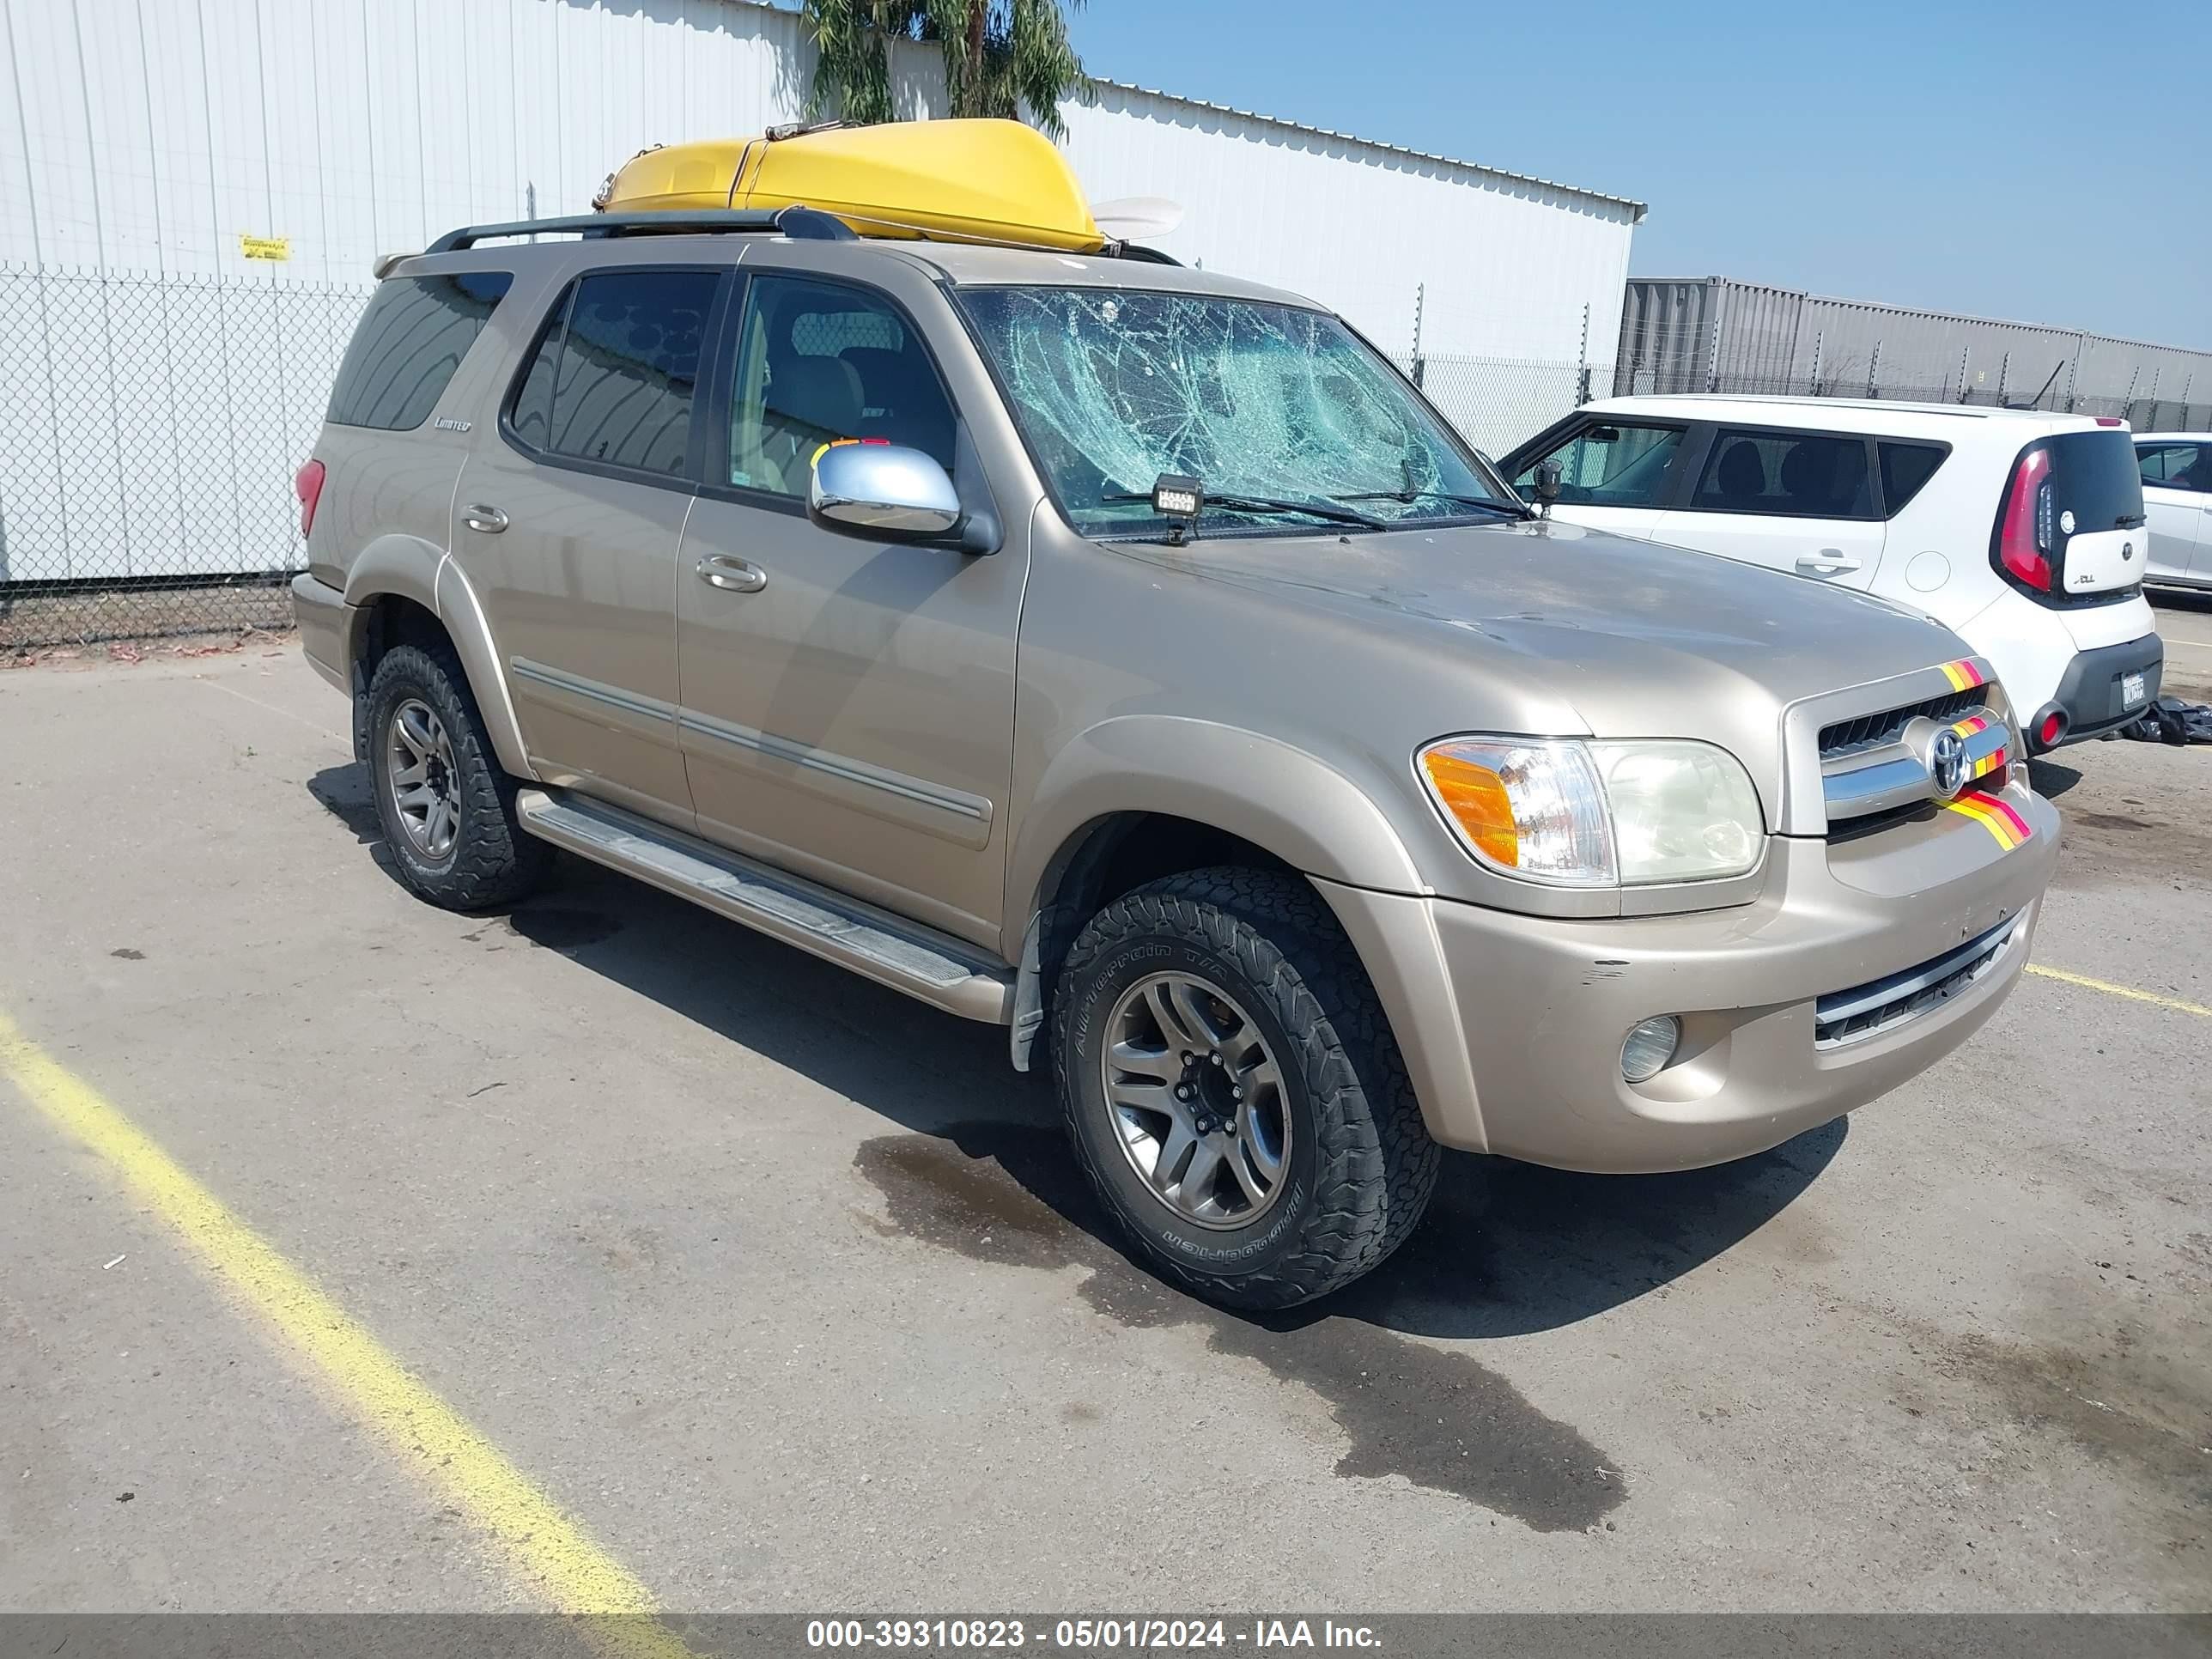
[(2021, 531)]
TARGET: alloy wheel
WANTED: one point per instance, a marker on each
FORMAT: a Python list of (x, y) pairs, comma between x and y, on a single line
[(423, 783), (1197, 1101)]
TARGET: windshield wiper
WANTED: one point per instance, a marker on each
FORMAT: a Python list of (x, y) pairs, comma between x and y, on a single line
[(1409, 497), (1321, 510)]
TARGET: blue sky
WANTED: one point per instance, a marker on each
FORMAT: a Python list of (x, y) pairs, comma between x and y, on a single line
[(2039, 161)]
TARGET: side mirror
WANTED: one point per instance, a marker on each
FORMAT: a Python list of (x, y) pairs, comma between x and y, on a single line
[(882, 489), (1548, 476)]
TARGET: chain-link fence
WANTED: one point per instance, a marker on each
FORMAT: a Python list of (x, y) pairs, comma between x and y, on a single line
[(152, 424), (149, 435), (1496, 402)]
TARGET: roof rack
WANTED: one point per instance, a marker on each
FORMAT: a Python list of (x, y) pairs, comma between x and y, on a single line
[(801, 223)]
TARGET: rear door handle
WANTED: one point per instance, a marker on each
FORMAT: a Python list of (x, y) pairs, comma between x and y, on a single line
[(727, 571), (1828, 561), (488, 520)]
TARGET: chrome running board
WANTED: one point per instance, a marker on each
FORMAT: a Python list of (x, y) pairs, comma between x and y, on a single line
[(935, 968)]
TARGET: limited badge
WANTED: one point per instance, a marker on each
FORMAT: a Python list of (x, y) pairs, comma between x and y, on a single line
[(2066, 523)]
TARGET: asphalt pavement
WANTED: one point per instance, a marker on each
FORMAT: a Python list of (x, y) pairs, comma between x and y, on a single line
[(775, 1291)]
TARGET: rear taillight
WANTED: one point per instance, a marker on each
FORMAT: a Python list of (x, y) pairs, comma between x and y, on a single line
[(307, 485), (2110, 420), (2024, 531)]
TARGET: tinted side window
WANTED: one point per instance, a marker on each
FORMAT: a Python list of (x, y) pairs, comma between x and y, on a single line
[(818, 361), (1905, 468), (1614, 464), (615, 373), (407, 345), (1784, 474)]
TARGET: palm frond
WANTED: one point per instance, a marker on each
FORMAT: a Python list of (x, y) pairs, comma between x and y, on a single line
[(1002, 58)]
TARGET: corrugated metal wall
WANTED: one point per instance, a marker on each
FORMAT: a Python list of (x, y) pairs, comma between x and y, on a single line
[(1711, 333), (1506, 266), (161, 385), (150, 135)]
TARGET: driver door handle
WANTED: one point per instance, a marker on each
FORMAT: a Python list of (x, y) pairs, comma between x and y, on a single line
[(727, 571), (488, 520), (1828, 561)]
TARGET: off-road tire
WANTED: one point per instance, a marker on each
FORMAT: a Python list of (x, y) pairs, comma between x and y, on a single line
[(493, 863), (1362, 1166)]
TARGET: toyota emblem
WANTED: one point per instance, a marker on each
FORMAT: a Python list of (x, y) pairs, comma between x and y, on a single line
[(1947, 762), (2127, 551)]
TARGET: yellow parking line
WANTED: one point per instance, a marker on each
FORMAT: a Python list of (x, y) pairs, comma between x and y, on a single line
[(547, 1547), (2127, 991)]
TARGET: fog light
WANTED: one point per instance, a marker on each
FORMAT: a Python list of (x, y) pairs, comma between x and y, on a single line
[(1650, 1047)]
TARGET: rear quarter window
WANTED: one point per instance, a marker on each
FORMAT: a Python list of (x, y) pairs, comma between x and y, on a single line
[(1905, 469), (408, 345)]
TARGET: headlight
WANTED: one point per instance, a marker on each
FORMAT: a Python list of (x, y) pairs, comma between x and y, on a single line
[(1578, 814)]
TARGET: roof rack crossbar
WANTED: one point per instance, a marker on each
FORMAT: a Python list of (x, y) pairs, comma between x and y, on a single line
[(802, 223)]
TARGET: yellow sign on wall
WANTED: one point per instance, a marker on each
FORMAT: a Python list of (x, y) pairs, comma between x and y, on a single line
[(264, 247)]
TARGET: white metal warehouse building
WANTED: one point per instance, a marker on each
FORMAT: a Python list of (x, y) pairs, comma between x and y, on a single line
[(161, 384)]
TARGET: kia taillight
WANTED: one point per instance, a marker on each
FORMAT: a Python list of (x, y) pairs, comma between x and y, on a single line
[(307, 485), (2025, 529)]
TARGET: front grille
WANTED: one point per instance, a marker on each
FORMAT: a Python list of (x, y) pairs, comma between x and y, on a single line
[(1868, 823), (1844, 1017), (1873, 730)]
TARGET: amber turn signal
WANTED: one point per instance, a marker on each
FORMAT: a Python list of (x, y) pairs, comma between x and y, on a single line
[(1475, 796)]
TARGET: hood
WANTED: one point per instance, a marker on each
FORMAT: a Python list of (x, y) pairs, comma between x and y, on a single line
[(1638, 639), (1551, 629)]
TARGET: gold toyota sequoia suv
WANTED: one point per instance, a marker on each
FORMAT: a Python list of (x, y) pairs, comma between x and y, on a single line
[(1128, 655)]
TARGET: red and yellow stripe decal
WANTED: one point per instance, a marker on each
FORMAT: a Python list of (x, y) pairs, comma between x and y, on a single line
[(1962, 674), (1973, 726), (2006, 826)]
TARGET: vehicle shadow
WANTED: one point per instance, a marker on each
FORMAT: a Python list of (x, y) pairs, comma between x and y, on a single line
[(1507, 1249), (2051, 779)]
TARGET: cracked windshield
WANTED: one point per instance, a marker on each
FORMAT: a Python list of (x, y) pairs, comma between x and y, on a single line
[(1289, 419)]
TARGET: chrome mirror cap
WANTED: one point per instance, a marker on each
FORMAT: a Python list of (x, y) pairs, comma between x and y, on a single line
[(885, 488)]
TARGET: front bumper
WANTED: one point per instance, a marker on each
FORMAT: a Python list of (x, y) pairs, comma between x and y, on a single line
[(1511, 1025)]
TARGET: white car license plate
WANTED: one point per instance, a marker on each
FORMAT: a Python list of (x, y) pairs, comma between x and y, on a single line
[(2131, 690)]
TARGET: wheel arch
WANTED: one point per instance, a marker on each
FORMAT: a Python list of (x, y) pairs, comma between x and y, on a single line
[(404, 590), (1142, 796)]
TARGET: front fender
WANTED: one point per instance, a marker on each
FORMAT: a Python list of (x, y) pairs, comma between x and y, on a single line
[(1280, 799), (1286, 802)]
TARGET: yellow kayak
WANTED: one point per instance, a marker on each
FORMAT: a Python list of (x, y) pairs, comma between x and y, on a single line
[(975, 181)]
